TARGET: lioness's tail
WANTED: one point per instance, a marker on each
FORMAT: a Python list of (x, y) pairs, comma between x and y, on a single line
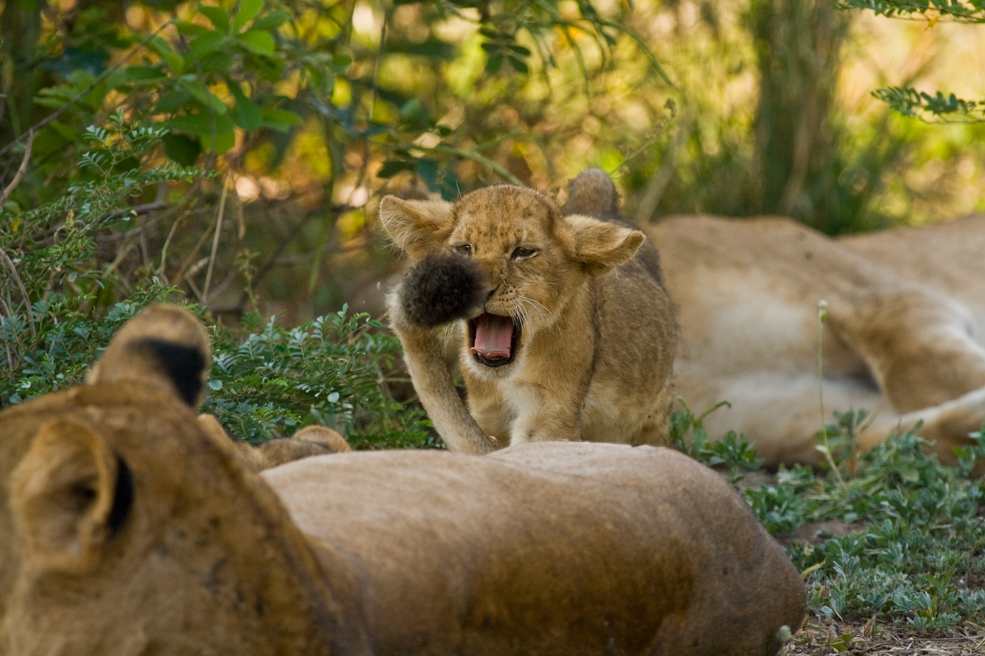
[(592, 193), (441, 289)]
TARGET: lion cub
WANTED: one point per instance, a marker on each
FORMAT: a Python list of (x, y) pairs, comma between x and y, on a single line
[(567, 331)]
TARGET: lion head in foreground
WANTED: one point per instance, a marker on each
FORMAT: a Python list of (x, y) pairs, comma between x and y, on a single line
[(129, 529), (124, 523)]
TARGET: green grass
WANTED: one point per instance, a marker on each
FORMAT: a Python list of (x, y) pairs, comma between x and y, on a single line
[(912, 549)]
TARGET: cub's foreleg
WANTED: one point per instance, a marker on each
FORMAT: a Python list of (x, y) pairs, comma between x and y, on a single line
[(415, 324)]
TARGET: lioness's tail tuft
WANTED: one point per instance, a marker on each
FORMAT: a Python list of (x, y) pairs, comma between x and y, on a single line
[(441, 289), (592, 193)]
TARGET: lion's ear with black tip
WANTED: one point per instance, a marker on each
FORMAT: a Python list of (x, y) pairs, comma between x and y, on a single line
[(441, 289), (164, 346), (69, 495), (418, 227)]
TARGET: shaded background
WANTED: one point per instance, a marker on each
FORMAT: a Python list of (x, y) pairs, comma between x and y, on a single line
[(297, 116)]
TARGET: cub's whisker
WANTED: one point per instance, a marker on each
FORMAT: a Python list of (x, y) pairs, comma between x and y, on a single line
[(537, 304)]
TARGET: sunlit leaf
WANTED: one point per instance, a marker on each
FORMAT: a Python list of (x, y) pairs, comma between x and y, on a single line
[(224, 142), (257, 42), (206, 42), (248, 10), (163, 50), (143, 74), (271, 20), (281, 120), (190, 29), (201, 124), (247, 114), (217, 16)]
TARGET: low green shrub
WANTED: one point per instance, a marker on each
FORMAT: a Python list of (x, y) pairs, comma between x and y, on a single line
[(913, 552)]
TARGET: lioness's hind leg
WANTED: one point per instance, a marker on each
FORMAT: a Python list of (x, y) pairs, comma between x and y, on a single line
[(947, 425), (918, 347)]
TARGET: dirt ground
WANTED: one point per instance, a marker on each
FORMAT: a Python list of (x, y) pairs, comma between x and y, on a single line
[(876, 639)]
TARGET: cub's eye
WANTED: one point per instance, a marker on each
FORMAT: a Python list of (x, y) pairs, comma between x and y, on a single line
[(522, 252), (464, 249)]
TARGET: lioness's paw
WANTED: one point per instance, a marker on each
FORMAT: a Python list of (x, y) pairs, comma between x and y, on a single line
[(441, 289)]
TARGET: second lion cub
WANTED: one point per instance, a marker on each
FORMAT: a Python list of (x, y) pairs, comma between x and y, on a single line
[(568, 334)]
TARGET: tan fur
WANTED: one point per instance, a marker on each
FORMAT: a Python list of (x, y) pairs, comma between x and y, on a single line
[(598, 337), (903, 338), (307, 442), (128, 530)]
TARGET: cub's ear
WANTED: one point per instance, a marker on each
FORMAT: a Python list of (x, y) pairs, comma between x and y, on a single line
[(418, 227), (601, 246), (69, 495), (164, 346)]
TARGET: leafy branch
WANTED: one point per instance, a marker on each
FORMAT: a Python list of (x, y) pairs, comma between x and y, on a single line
[(920, 104), (964, 11)]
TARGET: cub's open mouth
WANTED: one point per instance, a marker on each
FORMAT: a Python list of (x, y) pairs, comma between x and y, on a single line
[(494, 339)]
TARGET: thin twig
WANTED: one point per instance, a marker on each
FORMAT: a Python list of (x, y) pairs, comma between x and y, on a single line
[(192, 193), (27, 300), (215, 240), (21, 170), (475, 157), (822, 318), (190, 262), (6, 344)]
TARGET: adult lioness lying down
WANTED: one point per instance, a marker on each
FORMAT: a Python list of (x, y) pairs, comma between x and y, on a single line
[(567, 331), (128, 529), (904, 338)]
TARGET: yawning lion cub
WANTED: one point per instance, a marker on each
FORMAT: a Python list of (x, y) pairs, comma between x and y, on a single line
[(569, 333)]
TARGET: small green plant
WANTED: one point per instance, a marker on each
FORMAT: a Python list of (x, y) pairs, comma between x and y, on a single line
[(58, 311), (269, 380), (837, 442), (689, 435), (56, 304), (937, 107), (969, 455), (67, 339), (918, 546)]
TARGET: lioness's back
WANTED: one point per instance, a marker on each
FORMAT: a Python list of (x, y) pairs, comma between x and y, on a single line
[(650, 532)]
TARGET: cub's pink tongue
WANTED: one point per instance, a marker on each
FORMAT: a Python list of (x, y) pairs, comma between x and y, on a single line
[(493, 336)]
